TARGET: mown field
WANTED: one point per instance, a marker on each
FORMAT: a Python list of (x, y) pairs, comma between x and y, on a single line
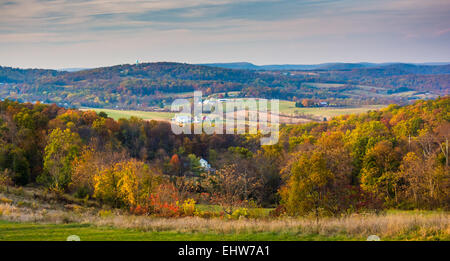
[(286, 108), (146, 115)]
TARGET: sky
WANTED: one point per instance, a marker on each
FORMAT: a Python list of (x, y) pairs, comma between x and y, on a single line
[(92, 33)]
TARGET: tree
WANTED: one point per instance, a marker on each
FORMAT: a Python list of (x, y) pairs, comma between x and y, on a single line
[(175, 164), (379, 167), (307, 103), (412, 170), (62, 148), (267, 164), (13, 161), (230, 188), (194, 164), (426, 182), (364, 137), (128, 183), (308, 186), (89, 163)]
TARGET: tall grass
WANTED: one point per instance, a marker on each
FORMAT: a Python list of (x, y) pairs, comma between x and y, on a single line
[(401, 225), (31, 206)]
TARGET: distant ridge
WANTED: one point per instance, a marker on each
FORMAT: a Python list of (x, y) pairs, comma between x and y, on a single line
[(72, 69), (144, 85), (322, 66)]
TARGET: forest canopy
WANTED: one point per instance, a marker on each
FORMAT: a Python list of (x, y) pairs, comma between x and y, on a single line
[(145, 85), (393, 158)]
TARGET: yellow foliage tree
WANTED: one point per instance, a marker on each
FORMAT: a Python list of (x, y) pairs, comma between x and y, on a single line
[(127, 183)]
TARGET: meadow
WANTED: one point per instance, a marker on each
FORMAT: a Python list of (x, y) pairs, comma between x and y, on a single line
[(33, 214), (146, 115), (286, 108)]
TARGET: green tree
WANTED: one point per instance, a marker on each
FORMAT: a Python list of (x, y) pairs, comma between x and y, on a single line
[(379, 167), (62, 148), (194, 163), (12, 159)]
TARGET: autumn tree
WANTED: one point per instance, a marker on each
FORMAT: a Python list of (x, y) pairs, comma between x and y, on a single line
[(378, 174), (307, 189), (127, 183), (230, 187), (307, 103), (175, 164), (62, 148), (89, 163), (426, 183)]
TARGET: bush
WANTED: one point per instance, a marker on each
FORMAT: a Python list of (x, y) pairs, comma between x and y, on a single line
[(239, 213), (164, 202), (105, 213), (5, 200), (5, 178), (278, 211), (188, 207)]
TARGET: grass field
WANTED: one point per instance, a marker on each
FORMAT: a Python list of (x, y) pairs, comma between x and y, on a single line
[(146, 115), (13, 231), (31, 214), (286, 107)]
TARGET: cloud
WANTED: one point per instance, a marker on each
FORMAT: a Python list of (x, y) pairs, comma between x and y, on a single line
[(239, 27)]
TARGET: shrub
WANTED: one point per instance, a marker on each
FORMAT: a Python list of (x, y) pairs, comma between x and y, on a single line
[(278, 211), (165, 201), (104, 213), (5, 178), (239, 213), (139, 210), (6, 200), (188, 207), (206, 214)]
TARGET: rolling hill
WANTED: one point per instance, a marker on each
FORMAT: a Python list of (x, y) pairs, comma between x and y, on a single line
[(139, 86)]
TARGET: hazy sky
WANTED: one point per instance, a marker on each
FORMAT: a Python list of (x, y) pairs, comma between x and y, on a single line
[(82, 33)]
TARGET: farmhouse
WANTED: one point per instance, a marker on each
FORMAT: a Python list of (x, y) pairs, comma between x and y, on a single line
[(182, 119), (204, 164)]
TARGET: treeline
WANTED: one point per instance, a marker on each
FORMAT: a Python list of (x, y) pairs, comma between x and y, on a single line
[(433, 79), (129, 86), (394, 158)]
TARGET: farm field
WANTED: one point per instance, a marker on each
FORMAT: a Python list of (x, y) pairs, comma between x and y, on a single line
[(146, 115), (286, 108)]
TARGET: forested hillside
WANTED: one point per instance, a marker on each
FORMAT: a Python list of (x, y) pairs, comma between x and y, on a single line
[(154, 84), (394, 158)]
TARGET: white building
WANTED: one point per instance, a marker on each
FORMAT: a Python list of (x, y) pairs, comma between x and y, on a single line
[(204, 164), (182, 119)]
